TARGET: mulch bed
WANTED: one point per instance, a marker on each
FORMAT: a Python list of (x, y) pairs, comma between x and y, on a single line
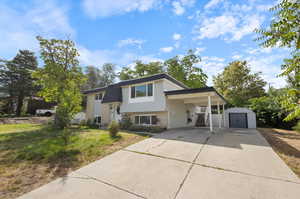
[(286, 144)]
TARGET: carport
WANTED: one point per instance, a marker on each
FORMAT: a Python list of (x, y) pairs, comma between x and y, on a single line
[(201, 97)]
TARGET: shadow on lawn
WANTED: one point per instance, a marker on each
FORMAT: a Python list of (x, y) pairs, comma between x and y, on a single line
[(43, 146)]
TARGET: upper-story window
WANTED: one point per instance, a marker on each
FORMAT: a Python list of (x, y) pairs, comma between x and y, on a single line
[(144, 90), (99, 96)]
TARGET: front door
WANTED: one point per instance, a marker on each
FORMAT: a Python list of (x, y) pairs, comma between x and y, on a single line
[(200, 120), (238, 120)]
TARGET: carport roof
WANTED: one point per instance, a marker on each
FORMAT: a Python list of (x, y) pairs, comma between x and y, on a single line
[(194, 91)]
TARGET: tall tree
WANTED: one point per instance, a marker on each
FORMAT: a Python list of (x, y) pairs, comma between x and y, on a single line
[(100, 77), (284, 31), (184, 70), (126, 73), (16, 77), (238, 84), (61, 78), (141, 70), (93, 75), (108, 75)]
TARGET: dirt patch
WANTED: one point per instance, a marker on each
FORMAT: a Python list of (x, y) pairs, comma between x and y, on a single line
[(22, 120), (286, 144)]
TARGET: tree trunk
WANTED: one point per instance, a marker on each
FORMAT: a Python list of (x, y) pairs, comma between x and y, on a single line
[(19, 104)]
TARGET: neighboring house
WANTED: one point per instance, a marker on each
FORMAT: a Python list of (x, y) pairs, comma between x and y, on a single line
[(157, 100)]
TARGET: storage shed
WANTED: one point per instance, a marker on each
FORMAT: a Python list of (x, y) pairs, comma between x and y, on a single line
[(240, 118)]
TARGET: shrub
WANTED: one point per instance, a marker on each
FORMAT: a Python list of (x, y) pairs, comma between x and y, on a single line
[(151, 129), (297, 127), (125, 122), (91, 124), (113, 128)]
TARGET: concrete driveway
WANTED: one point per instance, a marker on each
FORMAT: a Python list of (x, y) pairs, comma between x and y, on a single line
[(181, 164)]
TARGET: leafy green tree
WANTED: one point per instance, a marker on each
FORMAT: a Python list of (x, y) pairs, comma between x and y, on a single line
[(107, 75), (61, 78), (151, 68), (184, 70), (15, 77), (268, 109), (284, 31), (126, 73), (237, 84), (181, 68), (93, 75), (141, 70), (100, 77)]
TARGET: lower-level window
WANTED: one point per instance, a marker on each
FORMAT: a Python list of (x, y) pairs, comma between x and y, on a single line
[(97, 119), (145, 120)]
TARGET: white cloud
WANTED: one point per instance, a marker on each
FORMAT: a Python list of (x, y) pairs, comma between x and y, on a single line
[(270, 68), (104, 8), (247, 27), (167, 49), (198, 50), (178, 9), (230, 27), (236, 57), (235, 21), (212, 3), (176, 36), (264, 7), (131, 41), (211, 68), (254, 51), (179, 6), (217, 26), (213, 58), (19, 27), (100, 56)]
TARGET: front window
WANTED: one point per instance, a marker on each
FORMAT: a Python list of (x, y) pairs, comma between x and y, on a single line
[(145, 90), (140, 91), (145, 120), (97, 120), (99, 96)]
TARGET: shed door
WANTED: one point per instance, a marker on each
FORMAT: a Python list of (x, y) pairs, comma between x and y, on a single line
[(238, 120)]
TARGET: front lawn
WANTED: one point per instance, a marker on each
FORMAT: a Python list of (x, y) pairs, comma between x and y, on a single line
[(32, 155), (286, 144)]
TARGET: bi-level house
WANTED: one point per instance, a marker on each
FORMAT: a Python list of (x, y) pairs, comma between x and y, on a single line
[(155, 100)]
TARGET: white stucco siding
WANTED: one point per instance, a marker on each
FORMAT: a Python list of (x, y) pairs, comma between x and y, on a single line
[(90, 107), (170, 86), (215, 120), (161, 116), (156, 103), (97, 107), (177, 114), (251, 117)]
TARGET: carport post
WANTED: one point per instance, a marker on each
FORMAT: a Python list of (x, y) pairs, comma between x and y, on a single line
[(210, 116), (219, 115), (224, 115)]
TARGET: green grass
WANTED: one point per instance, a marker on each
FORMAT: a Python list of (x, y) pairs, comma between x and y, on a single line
[(7, 128), (28, 148)]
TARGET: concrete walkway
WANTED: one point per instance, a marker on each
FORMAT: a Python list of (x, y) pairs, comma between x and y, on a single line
[(181, 164)]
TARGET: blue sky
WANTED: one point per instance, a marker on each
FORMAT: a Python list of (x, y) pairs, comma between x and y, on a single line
[(121, 31)]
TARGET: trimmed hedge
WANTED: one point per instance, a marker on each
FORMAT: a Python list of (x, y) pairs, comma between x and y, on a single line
[(151, 129)]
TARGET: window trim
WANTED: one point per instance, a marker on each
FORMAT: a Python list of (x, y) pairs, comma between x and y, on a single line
[(142, 84), (144, 98), (150, 119), (97, 95), (96, 120)]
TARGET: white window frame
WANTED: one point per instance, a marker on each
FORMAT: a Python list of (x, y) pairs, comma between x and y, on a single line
[(97, 120), (98, 95), (142, 99), (150, 115)]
